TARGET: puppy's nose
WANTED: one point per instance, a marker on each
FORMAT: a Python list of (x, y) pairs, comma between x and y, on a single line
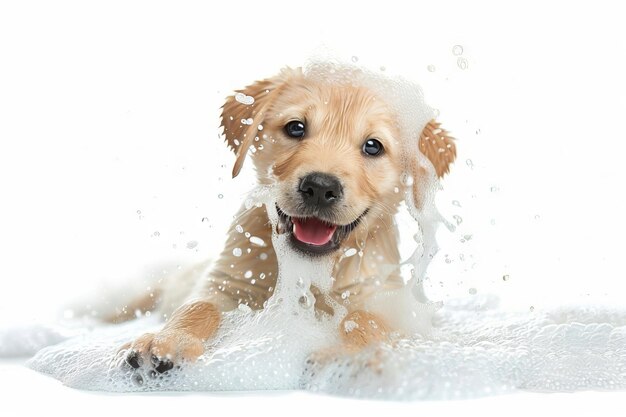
[(320, 190)]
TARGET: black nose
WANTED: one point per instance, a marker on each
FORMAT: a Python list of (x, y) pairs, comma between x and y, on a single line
[(320, 190)]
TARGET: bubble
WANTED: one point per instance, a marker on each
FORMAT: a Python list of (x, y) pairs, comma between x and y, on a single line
[(244, 99), (462, 63), (431, 68), (220, 196), (457, 50), (257, 241), (237, 252)]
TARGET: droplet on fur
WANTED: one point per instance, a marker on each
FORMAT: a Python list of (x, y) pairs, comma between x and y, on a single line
[(257, 241), (350, 252), (237, 252), (244, 99), (247, 274), (239, 228)]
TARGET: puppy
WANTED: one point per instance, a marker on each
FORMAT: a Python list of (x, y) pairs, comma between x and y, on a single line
[(333, 151)]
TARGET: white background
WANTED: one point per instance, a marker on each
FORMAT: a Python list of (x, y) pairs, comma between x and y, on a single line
[(110, 157)]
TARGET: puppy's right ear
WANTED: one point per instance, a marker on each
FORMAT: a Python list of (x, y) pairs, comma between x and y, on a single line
[(244, 111)]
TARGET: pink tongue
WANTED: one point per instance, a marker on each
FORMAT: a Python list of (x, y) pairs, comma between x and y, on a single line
[(313, 231)]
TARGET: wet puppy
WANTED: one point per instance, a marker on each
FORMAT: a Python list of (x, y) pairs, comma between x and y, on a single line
[(333, 151)]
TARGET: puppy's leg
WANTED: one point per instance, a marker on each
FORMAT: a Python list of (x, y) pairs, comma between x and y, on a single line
[(182, 337), (361, 328)]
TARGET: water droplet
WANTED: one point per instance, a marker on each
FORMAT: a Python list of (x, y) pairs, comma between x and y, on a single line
[(458, 219), (139, 212), (505, 277), (396, 190), (494, 189), (156, 234), (262, 275), (537, 217), (431, 68), (247, 121), (263, 256), (192, 244), (257, 241), (355, 58), (305, 301), (350, 252), (237, 252), (457, 50), (456, 203), (473, 291), (205, 219), (383, 68), (244, 99), (239, 228), (260, 127), (532, 308), (345, 294), (469, 163), (220, 196), (247, 234), (462, 63), (247, 274)]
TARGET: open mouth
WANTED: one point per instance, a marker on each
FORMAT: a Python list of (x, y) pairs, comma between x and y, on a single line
[(313, 235)]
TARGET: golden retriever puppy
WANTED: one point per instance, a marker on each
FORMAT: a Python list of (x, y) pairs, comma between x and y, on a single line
[(332, 150)]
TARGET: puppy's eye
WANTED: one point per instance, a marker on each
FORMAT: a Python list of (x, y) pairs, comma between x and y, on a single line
[(373, 147), (295, 129)]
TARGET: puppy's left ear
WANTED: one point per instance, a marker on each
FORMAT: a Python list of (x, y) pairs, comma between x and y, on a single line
[(244, 111), (438, 146)]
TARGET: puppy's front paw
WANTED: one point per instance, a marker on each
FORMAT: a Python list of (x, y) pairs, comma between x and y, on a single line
[(161, 351)]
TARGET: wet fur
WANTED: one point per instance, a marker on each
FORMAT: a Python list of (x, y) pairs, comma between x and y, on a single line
[(339, 119)]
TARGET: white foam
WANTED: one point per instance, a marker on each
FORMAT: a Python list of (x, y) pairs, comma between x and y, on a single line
[(464, 349)]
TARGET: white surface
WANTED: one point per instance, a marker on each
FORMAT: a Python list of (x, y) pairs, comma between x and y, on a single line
[(30, 393)]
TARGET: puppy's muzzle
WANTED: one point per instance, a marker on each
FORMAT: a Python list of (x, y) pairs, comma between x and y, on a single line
[(320, 191)]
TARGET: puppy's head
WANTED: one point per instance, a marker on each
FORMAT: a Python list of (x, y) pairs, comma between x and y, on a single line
[(333, 150)]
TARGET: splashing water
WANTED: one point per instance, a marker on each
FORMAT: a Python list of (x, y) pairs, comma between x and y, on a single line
[(466, 348)]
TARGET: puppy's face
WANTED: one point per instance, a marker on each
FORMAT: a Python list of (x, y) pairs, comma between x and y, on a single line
[(332, 151)]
